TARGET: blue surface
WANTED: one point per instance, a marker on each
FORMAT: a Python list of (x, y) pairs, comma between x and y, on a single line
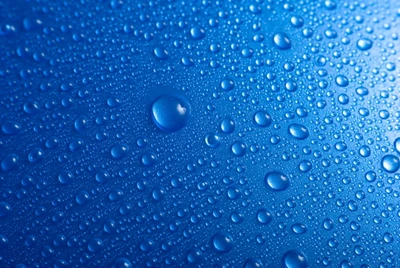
[(258, 133)]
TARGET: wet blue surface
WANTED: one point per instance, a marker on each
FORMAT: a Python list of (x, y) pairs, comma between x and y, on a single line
[(199, 133)]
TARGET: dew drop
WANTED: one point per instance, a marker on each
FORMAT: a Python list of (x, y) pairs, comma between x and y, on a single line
[(10, 162), (264, 216), (10, 127), (262, 119), (197, 33), (253, 263), (5, 209), (222, 242), (282, 41), (341, 81), (121, 263), (160, 53), (298, 131), (277, 181), (212, 140), (239, 148), (294, 259), (228, 125), (227, 84), (364, 44), (119, 150), (390, 163), (170, 113)]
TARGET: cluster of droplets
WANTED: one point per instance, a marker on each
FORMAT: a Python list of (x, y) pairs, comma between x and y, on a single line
[(152, 134)]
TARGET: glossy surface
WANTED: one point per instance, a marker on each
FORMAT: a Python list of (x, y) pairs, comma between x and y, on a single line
[(260, 133)]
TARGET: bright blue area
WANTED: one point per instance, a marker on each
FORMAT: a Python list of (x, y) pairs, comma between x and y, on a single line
[(205, 133)]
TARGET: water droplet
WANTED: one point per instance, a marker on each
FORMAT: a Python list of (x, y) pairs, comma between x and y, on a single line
[(121, 263), (298, 131), (147, 244), (277, 181), (102, 176), (264, 216), (227, 84), (3, 242), (327, 224), (364, 44), (397, 145), (66, 177), (35, 155), (10, 127), (294, 259), (161, 53), (262, 119), (9, 162), (330, 5), (282, 41), (170, 113), (296, 21), (362, 91), (305, 166), (228, 125), (95, 245), (370, 176), (82, 198), (5, 209), (197, 33), (341, 81), (291, 86), (299, 228), (31, 107), (212, 140), (390, 163), (365, 151), (253, 263), (222, 242), (238, 148), (119, 150), (194, 255)]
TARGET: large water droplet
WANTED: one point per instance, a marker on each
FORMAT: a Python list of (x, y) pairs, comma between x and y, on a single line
[(161, 53), (228, 125), (298, 131), (264, 216), (364, 44), (212, 140), (294, 259), (5, 209), (238, 148), (170, 113), (197, 33), (262, 119), (95, 245), (282, 41), (10, 127), (119, 150), (10, 162), (121, 263), (342, 81), (222, 242), (253, 263), (277, 181), (397, 145), (227, 84), (390, 163)]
